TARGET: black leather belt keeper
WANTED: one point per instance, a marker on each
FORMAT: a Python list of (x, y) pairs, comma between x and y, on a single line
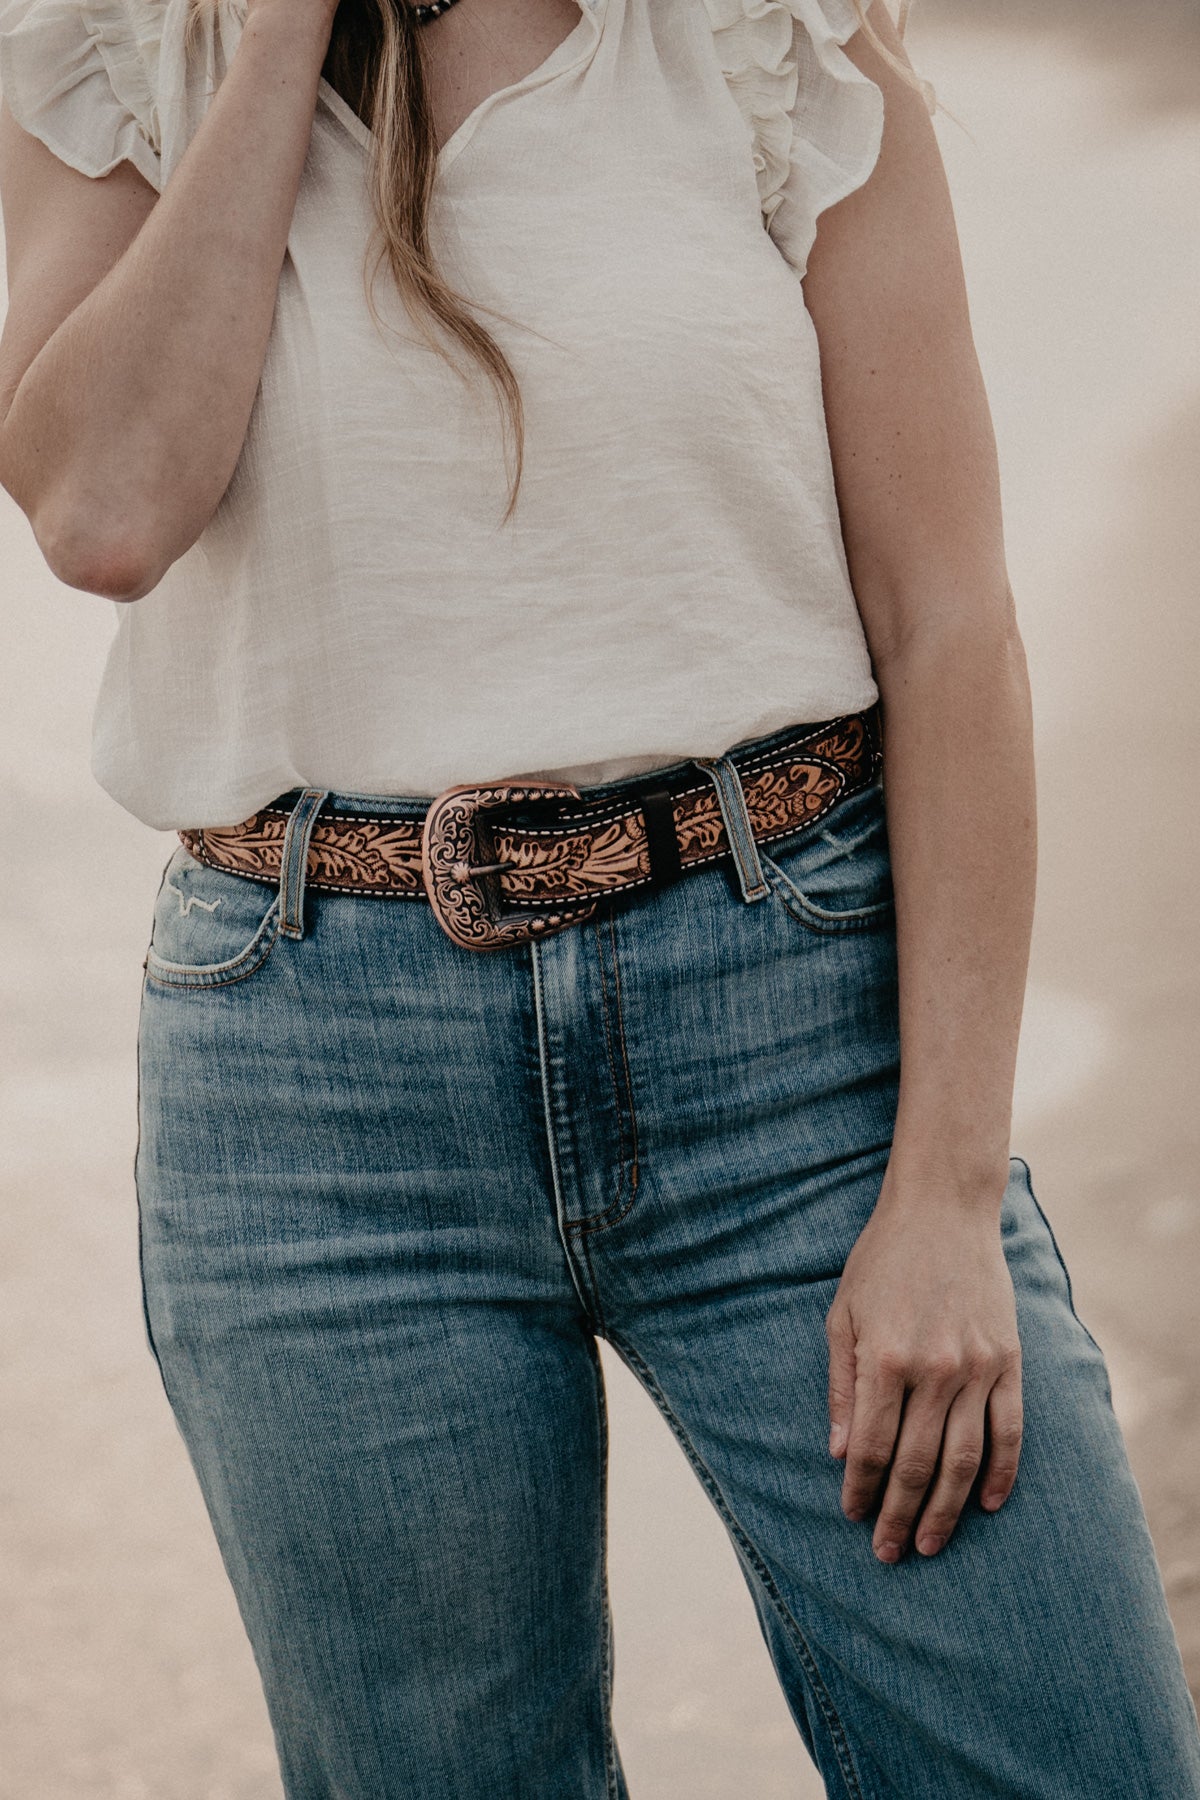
[(662, 840)]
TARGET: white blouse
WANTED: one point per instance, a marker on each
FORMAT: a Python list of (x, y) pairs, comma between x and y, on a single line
[(673, 581)]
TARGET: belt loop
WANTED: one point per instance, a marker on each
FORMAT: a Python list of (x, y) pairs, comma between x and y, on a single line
[(738, 828), (295, 860)]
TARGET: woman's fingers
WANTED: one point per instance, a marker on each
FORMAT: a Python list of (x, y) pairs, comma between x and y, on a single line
[(840, 1335), (878, 1399), (1005, 1429), (913, 1468), (961, 1455), (924, 1449)]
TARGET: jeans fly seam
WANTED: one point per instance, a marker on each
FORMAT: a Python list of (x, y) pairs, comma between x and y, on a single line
[(611, 1215), (548, 1116), (620, 1012), (612, 1070), (829, 1712)]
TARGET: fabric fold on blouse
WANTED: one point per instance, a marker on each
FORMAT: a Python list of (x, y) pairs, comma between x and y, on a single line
[(84, 80), (814, 120), (635, 218)]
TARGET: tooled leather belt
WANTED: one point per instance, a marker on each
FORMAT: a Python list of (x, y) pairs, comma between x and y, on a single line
[(539, 850)]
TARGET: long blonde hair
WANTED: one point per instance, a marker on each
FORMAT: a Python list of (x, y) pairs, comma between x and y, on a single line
[(376, 62)]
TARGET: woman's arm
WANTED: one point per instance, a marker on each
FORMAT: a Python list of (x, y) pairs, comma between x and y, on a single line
[(924, 1354), (137, 326)]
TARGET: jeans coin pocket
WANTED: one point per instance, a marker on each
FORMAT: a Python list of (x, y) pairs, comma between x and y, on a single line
[(836, 875), (210, 928)]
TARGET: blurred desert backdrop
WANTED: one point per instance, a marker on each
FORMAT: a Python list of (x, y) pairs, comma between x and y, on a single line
[(124, 1673)]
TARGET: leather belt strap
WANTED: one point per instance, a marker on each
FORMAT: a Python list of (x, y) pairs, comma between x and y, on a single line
[(541, 848)]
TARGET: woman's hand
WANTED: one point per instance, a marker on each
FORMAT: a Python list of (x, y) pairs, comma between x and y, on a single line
[(924, 1368)]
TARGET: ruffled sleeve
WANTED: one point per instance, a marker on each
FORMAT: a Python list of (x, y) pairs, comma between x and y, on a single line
[(81, 78), (814, 120)]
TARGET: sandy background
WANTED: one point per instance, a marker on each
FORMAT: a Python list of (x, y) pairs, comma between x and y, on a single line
[(124, 1673)]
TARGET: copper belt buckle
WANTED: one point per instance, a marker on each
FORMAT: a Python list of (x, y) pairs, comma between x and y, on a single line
[(460, 873)]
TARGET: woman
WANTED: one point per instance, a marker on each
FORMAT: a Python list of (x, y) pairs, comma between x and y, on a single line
[(533, 965)]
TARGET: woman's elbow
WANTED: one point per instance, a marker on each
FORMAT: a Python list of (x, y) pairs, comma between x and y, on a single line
[(98, 556)]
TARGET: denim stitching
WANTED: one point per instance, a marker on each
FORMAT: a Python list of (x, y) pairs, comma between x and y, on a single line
[(218, 975), (294, 860), (597, 1306), (613, 1214), (557, 1195), (808, 1663), (816, 918), (598, 1221), (612, 1073), (620, 1012), (739, 828)]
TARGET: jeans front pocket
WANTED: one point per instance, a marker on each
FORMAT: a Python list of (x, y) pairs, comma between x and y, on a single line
[(210, 928), (837, 875)]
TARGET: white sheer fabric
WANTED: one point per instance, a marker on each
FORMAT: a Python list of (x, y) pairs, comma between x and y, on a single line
[(640, 209)]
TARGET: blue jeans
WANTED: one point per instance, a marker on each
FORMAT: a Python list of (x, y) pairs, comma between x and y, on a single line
[(390, 1193)]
